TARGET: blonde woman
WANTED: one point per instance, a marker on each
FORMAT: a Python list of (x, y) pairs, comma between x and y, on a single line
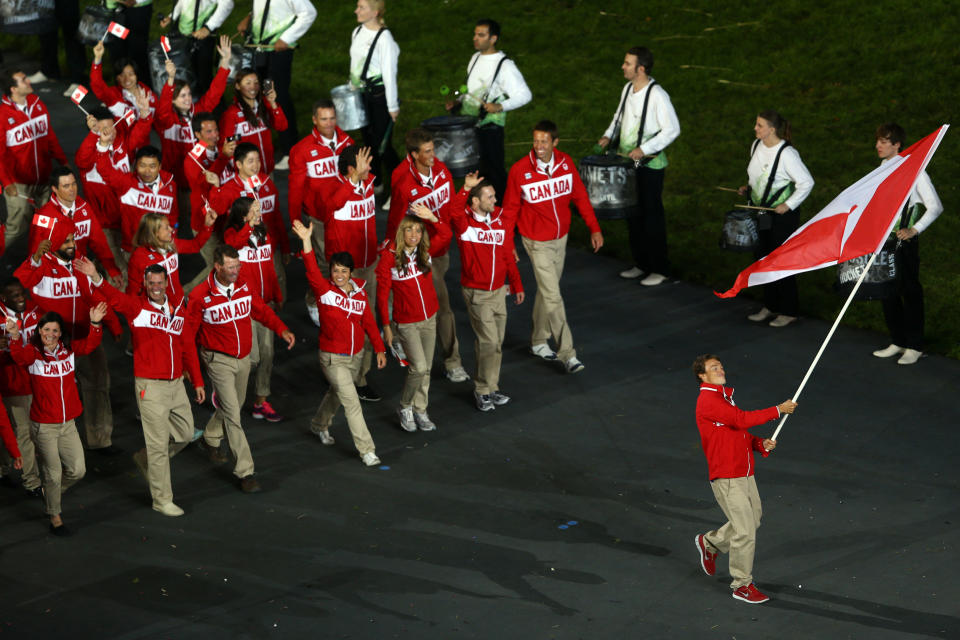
[(404, 268), (154, 244)]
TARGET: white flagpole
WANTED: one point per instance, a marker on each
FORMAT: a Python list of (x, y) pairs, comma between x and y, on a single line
[(823, 346)]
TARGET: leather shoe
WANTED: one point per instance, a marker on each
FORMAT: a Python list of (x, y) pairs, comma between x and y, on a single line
[(61, 532), (249, 484), (109, 450), (213, 453)]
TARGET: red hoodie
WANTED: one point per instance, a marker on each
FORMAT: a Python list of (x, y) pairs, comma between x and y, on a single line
[(144, 256), (723, 432), (486, 247), (257, 259), (344, 318), (14, 379), (414, 296), (541, 202), (137, 199), (313, 173), (223, 324), (232, 123), (118, 100), (87, 232), (412, 188), (55, 396), (176, 131), (221, 199), (349, 222), (27, 142)]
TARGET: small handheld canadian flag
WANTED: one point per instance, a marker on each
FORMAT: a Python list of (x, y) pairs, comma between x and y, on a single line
[(118, 30), (255, 181), (77, 97), (198, 152), (165, 45), (43, 221)]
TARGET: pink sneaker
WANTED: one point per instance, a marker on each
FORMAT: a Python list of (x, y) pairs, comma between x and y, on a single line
[(264, 411), (707, 560), (750, 594)]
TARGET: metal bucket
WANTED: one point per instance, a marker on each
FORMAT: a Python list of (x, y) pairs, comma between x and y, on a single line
[(180, 49), (93, 24), (455, 143), (611, 184), (739, 232), (241, 58), (879, 283), (351, 112), (28, 17)]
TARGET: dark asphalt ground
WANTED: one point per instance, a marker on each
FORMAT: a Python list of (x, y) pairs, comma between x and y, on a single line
[(459, 534)]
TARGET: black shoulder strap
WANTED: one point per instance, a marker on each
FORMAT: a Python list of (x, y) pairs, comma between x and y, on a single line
[(373, 46), (767, 197), (496, 72), (643, 114)]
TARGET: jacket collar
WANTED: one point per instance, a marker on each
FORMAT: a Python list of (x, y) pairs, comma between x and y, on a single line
[(727, 392)]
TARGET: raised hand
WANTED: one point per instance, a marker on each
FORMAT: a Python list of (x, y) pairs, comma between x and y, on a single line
[(98, 312), (171, 69), (98, 52), (42, 248), (225, 49), (471, 180), (423, 212)]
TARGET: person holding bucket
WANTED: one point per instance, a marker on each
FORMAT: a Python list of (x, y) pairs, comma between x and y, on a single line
[(199, 20), (778, 180)]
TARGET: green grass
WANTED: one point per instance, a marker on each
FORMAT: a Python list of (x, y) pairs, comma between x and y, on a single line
[(835, 70)]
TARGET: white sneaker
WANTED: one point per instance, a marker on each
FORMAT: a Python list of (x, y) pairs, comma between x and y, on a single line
[(498, 398), (543, 351), (69, 92), (653, 280), (484, 403), (424, 422), (889, 352), (324, 435), (910, 356), (283, 165), (782, 321), (370, 459), (457, 374), (760, 316), (37, 78), (168, 509), (407, 423), (631, 273), (386, 205), (573, 365)]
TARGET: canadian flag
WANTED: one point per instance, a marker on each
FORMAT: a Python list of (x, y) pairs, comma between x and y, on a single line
[(118, 30), (130, 116), (165, 43), (78, 94), (43, 221), (856, 223), (256, 182), (198, 151)]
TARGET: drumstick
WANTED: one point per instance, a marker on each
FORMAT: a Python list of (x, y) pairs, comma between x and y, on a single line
[(728, 189), (748, 206)]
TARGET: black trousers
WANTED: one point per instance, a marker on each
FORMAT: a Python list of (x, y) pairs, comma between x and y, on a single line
[(490, 137), (68, 18), (647, 226), (903, 311), (378, 127), (278, 66), (781, 296), (137, 19)]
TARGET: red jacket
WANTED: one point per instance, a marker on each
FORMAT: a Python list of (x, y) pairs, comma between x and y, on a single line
[(223, 324), (27, 142), (87, 232), (313, 173), (412, 188), (723, 432), (14, 379), (144, 256), (221, 199), (56, 286), (414, 296), (349, 222), (137, 199), (541, 202), (95, 188), (257, 262), (200, 189), (176, 131), (344, 318), (486, 248), (55, 396), (160, 351), (116, 99), (233, 123)]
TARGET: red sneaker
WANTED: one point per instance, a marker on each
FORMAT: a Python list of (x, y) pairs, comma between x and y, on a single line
[(707, 560), (264, 411), (750, 594)]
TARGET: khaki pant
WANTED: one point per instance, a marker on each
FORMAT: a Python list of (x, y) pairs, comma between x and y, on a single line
[(418, 340), (229, 376), (370, 275), (20, 211), (261, 357), (18, 407), (488, 317), (61, 460), (93, 377), (549, 315), (165, 413), (206, 252), (342, 372), (446, 322), (740, 501)]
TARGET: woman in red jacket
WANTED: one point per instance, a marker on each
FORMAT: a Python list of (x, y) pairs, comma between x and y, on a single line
[(246, 233), (345, 316), (154, 244), (121, 97), (252, 116), (404, 268), (49, 360)]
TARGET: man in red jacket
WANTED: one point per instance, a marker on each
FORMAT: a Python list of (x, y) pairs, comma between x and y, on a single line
[(729, 449), (540, 187), (219, 316), (27, 144)]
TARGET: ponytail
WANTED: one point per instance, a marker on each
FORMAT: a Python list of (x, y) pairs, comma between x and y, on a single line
[(778, 122)]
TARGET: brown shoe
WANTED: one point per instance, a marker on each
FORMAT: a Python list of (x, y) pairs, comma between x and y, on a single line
[(216, 456), (249, 484)]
